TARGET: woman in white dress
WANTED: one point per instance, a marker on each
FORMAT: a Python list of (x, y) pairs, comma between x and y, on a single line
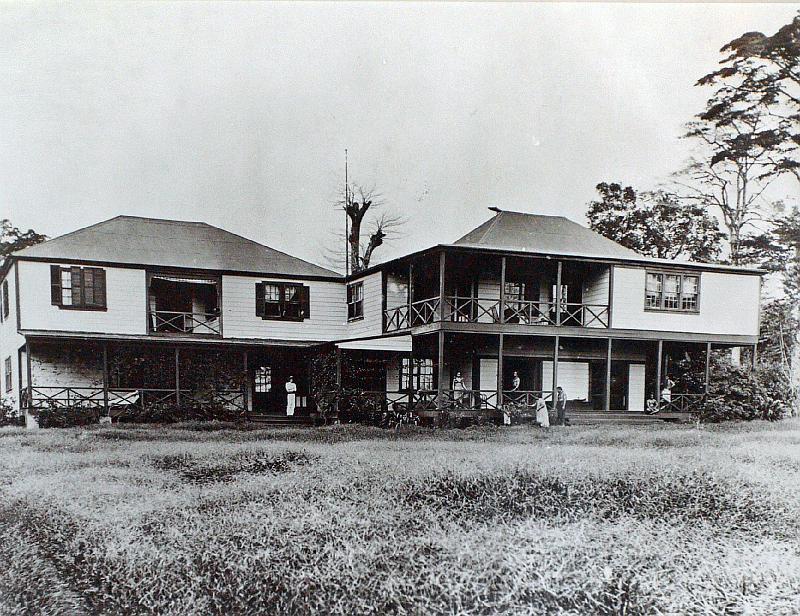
[(291, 393), (542, 416)]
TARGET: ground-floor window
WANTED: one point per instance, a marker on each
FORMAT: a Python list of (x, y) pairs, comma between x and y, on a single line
[(263, 379), (9, 378), (420, 377)]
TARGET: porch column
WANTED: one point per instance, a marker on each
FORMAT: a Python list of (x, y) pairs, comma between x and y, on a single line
[(105, 378), (502, 291), (500, 345), (177, 376), (248, 399), (608, 377), (410, 290), (555, 374), (442, 258), (30, 372), (708, 366), (440, 372), (754, 357), (338, 353), (558, 295), (658, 372)]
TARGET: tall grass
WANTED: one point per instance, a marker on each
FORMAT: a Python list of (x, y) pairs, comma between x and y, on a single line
[(346, 520)]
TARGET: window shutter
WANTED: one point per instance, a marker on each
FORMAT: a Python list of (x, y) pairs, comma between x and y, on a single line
[(55, 285), (88, 287), (77, 287), (5, 299), (305, 302), (3, 293), (99, 287), (260, 299)]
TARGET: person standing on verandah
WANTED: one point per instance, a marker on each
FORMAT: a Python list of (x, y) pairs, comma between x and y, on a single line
[(291, 394), (561, 406)]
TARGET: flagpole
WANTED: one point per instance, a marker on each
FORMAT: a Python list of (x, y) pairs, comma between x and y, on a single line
[(346, 219)]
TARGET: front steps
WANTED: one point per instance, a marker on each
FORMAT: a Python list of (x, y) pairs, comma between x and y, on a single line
[(273, 420), (586, 418)]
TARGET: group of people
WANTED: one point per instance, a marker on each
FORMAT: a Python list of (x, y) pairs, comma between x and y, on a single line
[(540, 406)]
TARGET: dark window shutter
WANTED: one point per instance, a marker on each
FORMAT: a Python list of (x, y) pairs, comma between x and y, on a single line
[(55, 285), (260, 299), (305, 302), (5, 299), (3, 293), (88, 287), (100, 287), (77, 286)]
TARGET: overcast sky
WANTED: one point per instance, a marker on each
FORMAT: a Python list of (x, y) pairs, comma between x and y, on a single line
[(238, 114)]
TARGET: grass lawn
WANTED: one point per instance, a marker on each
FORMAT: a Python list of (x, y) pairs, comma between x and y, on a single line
[(348, 520)]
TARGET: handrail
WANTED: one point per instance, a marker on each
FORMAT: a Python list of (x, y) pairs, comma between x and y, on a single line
[(682, 403), (170, 321), (526, 397)]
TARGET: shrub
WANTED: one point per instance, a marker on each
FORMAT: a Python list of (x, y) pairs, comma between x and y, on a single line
[(67, 417), (10, 416)]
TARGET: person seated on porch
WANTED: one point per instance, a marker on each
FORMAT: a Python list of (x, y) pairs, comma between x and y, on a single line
[(291, 394), (542, 414)]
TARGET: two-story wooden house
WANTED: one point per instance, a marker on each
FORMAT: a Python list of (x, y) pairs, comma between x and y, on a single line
[(518, 306)]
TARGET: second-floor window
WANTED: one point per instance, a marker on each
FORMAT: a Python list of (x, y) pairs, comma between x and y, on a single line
[(669, 291), (4, 304), (420, 376), (80, 288), (287, 301), (355, 301)]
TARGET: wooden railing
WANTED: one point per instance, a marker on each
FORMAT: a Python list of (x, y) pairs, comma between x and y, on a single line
[(198, 323), (490, 310), (682, 403), (526, 397), (130, 398)]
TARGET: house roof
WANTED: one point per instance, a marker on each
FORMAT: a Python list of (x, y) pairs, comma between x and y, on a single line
[(557, 235), (171, 243)]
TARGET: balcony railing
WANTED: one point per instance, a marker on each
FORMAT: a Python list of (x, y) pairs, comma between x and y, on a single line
[(197, 323), (121, 399), (490, 310)]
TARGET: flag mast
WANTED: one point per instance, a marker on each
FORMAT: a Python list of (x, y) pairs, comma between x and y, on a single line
[(346, 219)]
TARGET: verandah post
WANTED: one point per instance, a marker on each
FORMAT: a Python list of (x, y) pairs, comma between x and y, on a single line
[(608, 377), (708, 368), (658, 373), (555, 375), (500, 344), (442, 258), (440, 373), (105, 379), (410, 291), (502, 290), (558, 293), (28, 361), (177, 376), (246, 385)]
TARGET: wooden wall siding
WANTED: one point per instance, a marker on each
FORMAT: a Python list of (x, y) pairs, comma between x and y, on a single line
[(636, 387), (595, 287), (66, 366), (125, 300), (573, 377), (487, 374), (11, 341), (728, 305), (328, 319), (396, 291), (372, 323), (487, 290)]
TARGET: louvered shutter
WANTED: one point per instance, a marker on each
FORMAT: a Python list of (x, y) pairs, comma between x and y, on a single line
[(77, 280), (88, 287), (260, 299), (55, 285), (100, 287), (5, 299), (305, 302)]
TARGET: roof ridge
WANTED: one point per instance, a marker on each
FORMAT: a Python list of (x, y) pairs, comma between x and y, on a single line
[(491, 225)]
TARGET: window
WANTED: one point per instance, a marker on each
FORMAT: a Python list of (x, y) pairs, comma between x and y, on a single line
[(9, 379), (287, 301), (515, 291), (263, 379), (420, 378), (81, 288), (678, 292), (355, 301)]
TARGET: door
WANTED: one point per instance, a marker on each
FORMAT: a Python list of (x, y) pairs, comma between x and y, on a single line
[(619, 386), (264, 398), (487, 380), (636, 387)]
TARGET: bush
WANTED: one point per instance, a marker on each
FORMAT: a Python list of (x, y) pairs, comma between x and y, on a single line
[(67, 417), (10, 416), (168, 412), (738, 393)]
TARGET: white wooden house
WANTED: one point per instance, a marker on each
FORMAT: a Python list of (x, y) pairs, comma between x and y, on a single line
[(539, 296)]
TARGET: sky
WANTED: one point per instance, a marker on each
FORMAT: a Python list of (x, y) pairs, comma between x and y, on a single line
[(238, 114)]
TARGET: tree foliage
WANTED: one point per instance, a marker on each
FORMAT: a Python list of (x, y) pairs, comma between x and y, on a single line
[(655, 223), (12, 239)]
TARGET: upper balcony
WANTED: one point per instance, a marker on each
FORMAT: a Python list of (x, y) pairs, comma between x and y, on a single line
[(183, 305), (493, 289)]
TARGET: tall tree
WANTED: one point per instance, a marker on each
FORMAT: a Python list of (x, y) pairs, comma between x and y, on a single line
[(655, 223), (761, 72), (12, 239), (368, 228)]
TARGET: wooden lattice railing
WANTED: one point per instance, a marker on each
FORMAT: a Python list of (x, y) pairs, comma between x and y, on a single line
[(199, 323)]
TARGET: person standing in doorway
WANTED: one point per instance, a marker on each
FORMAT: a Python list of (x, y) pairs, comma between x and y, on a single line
[(291, 394), (561, 406), (515, 382)]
